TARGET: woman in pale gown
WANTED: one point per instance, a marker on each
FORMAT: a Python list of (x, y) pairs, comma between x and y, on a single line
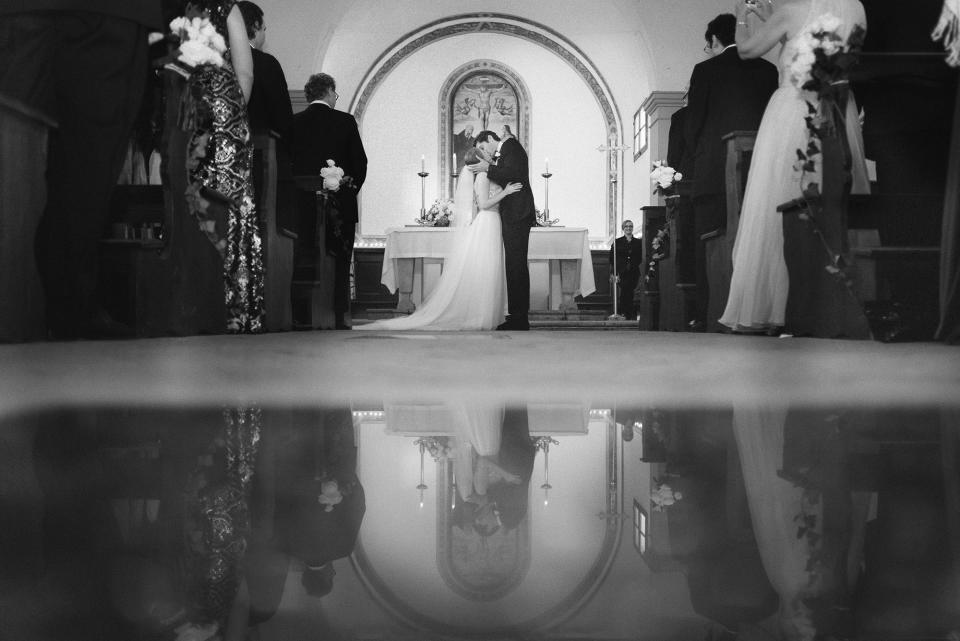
[(471, 293), (759, 285)]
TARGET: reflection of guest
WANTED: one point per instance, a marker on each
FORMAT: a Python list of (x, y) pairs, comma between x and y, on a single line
[(319, 506), (85, 68), (629, 256)]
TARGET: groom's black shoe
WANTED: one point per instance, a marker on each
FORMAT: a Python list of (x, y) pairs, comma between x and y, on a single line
[(514, 324)]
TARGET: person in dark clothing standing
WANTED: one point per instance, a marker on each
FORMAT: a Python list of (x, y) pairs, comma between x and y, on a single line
[(628, 253), (269, 107)]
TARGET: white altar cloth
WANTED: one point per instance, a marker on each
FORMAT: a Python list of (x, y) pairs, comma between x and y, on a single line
[(546, 244)]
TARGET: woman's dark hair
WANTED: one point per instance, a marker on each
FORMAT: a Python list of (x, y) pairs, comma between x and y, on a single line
[(472, 156), (486, 135), (252, 17)]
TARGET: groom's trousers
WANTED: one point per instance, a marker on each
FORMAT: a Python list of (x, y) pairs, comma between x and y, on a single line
[(516, 238)]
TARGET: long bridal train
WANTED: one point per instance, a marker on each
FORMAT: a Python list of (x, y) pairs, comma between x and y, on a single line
[(471, 293)]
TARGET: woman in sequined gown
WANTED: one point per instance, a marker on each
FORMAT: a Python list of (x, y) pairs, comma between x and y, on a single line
[(221, 155)]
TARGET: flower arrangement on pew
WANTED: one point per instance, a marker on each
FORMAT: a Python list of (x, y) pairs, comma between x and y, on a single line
[(334, 181), (665, 178), (661, 249), (663, 496), (440, 214)]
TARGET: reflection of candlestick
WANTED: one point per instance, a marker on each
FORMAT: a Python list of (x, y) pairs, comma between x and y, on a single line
[(454, 163), (423, 193), (422, 486)]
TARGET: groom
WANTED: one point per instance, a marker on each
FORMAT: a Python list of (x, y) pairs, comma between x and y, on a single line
[(517, 216)]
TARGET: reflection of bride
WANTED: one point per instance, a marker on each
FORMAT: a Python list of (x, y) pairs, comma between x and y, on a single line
[(471, 291)]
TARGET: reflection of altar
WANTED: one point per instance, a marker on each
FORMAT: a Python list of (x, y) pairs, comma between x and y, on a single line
[(559, 257)]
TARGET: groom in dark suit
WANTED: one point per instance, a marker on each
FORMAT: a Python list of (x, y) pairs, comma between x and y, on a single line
[(726, 94), (517, 215), (322, 133)]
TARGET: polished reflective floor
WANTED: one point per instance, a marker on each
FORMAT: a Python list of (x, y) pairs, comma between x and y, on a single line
[(466, 517)]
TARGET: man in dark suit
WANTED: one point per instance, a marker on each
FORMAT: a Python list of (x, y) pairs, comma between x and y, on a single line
[(679, 156), (269, 106), (517, 215), (726, 94), (85, 68), (629, 256), (322, 133)]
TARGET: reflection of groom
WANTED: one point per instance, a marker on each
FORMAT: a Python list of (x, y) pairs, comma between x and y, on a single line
[(517, 216)]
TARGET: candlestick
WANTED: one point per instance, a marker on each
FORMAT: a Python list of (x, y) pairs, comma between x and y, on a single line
[(423, 192), (546, 195)]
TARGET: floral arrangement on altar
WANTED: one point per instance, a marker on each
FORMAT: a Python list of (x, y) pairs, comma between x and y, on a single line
[(665, 177), (663, 496), (544, 220), (199, 44), (660, 245), (440, 214)]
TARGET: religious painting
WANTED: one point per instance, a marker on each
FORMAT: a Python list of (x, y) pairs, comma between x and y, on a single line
[(480, 101)]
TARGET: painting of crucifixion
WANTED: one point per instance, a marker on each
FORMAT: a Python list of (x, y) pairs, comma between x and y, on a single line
[(479, 102)]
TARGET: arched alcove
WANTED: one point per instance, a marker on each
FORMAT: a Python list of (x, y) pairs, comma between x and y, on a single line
[(559, 47)]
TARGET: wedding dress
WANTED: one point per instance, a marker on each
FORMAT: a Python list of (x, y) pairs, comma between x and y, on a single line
[(759, 284), (471, 293)]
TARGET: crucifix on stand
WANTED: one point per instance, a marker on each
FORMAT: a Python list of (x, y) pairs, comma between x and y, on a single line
[(613, 150)]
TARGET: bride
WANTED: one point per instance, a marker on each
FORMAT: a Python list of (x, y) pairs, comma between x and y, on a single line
[(471, 293)]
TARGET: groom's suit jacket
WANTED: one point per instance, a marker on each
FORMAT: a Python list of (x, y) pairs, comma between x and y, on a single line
[(726, 94), (513, 166), (321, 133)]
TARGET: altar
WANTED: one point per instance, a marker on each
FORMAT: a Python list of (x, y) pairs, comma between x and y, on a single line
[(559, 257)]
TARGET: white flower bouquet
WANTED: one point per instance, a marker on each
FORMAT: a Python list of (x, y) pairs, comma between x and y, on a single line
[(665, 178), (200, 44), (823, 56), (663, 496), (440, 214)]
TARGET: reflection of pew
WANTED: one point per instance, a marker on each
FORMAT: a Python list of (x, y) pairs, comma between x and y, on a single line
[(276, 239), (23, 148)]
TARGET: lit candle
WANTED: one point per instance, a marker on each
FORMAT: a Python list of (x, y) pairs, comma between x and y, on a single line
[(423, 167), (454, 162), (546, 165)]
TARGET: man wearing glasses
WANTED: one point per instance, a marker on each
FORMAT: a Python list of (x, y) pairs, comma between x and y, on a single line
[(321, 133)]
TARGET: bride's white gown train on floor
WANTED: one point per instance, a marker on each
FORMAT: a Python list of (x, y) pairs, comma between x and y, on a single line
[(471, 293)]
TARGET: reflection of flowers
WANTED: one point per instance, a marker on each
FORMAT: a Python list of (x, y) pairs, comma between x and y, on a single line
[(440, 214), (662, 495), (665, 177), (330, 495)]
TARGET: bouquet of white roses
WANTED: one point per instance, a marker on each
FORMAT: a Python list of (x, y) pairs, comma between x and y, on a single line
[(440, 214), (200, 44), (824, 57), (334, 178), (665, 177)]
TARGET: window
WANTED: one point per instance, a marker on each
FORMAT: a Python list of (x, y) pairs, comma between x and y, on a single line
[(639, 133), (639, 528)]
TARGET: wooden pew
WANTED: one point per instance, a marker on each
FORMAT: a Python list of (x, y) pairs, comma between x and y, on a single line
[(648, 306), (678, 270), (23, 148), (276, 238), (313, 285), (719, 244)]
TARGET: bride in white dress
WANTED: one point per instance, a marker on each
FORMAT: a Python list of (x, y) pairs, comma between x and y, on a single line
[(758, 287), (471, 293)]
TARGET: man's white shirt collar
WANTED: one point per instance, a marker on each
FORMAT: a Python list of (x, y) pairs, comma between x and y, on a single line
[(322, 102), (500, 145), (727, 47)]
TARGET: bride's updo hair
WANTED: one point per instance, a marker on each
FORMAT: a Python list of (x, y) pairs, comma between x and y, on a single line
[(471, 157)]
